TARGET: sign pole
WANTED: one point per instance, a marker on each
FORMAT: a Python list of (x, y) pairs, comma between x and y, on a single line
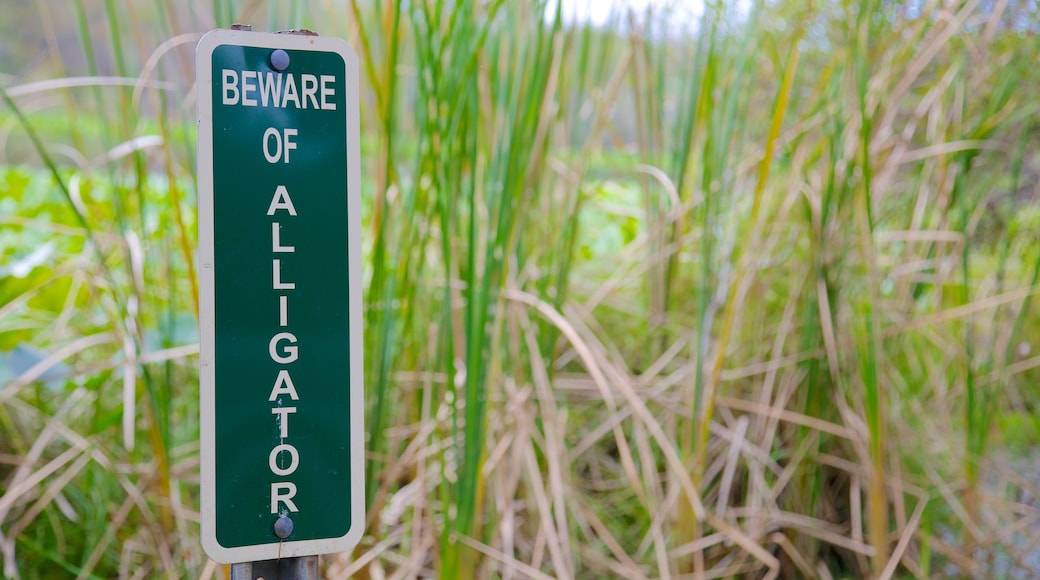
[(302, 568)]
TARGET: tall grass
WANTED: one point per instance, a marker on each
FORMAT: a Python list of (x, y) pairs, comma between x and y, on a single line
[(749, 295)]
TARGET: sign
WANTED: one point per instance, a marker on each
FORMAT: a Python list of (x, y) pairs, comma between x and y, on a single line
[(282, 440)]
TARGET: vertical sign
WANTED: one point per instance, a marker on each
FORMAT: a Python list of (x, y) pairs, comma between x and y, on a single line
[(282, 443)]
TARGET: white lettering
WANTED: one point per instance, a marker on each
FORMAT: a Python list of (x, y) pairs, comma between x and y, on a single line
[(290, 93), (272, 157), (230, 84), (291, 351), (294, 459), (270, 90), (309, 84), (278, 497), (247, 88), (327, 92), (279, 138), (251, 88), (289, 143), (283, 419), (283, 385), (283, 310), (276, 274), (281, 200), (276, 241)]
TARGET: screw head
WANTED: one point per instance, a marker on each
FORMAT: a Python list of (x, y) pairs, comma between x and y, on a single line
[(283, 527), (280, 60)]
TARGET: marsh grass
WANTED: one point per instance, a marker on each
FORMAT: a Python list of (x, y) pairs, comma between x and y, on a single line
[(755, 300)]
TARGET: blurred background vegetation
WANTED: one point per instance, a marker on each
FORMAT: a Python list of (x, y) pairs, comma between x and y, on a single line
[(722, 289)]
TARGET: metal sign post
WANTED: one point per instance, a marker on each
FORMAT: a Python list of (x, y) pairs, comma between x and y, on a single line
[(304, 568), (282, 440)]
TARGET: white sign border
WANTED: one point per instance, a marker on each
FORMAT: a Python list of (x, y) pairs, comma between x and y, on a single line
[(207, 320)]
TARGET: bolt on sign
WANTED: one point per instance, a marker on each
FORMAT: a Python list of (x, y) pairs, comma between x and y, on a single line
[(282, 440)]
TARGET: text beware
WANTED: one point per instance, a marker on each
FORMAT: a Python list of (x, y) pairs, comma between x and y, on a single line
[(250, 88)]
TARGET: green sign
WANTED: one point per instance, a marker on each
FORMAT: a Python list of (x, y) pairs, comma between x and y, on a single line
[(280, 256)]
